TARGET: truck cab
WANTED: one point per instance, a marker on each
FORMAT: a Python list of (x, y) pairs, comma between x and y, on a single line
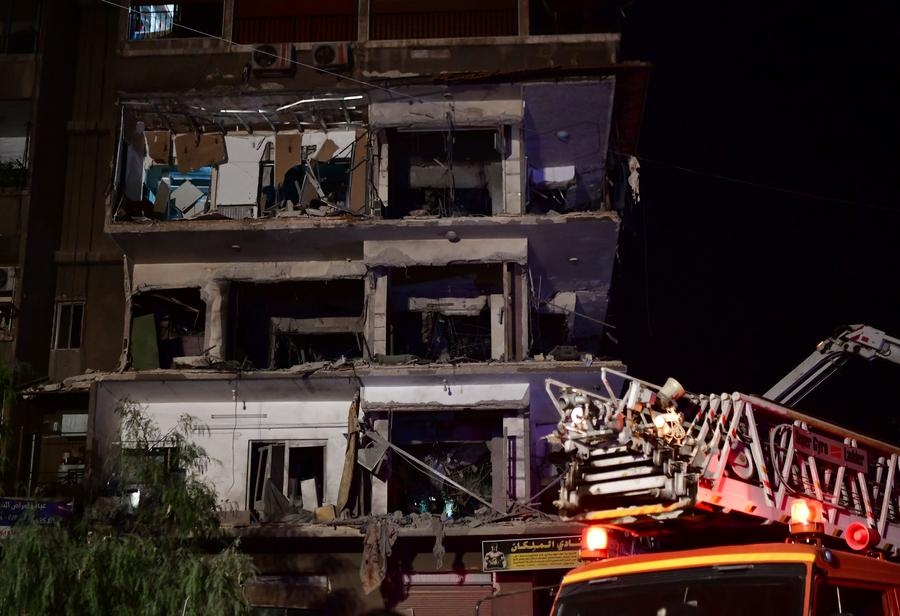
[(787, 579)]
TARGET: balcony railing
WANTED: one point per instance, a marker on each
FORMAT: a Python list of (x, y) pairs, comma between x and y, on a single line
[(250, 30)]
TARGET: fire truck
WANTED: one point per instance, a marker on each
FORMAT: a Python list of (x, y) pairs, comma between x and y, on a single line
[(728, 503)]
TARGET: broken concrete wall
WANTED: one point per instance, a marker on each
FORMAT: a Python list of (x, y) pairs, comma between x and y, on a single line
[(566, 140), (323, 422), (237, 180), (442, 252)]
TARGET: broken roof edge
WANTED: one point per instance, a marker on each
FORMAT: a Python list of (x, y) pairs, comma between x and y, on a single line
[(355, 527), (321, 370), (337, 222)]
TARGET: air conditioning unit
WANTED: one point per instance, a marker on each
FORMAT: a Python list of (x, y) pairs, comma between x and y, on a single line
[(7, 280), (273, 59), (237, 212), (331, 55)]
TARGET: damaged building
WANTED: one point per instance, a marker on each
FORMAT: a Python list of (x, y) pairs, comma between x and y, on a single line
[(353, 241)]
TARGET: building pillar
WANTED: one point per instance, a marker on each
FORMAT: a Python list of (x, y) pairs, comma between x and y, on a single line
[(215, 296), (376, 313), (379, 486), (228, 20), (362, 33), (498, 328), (513, 174), (524, 18)]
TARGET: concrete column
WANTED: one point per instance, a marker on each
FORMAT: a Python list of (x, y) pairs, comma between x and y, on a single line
[(376, 312), (515, 427), (498, 327), (379, 486), (522, 311), (524, 18), (215, 296), (362, 34), (383, 173), (514, 174), (228, 20)]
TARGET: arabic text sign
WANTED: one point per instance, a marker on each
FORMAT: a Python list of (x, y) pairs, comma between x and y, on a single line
[(830, 449), (41, 511), (531, 553)]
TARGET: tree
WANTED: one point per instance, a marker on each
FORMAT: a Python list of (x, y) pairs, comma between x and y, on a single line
[(149, 555)]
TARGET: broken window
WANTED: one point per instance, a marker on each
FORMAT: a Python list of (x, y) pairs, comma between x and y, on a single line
[(276, 22), (455, 172), (177, 194), (18, 26), (469, 449), (166, 324), (293, 468), (188, 18), (443, 313), (15, 126), (67, 325), (566, 161), (418, 19), (278, 325), (7, 316)]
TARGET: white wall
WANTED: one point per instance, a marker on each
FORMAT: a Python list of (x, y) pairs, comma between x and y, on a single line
[(229, 439)]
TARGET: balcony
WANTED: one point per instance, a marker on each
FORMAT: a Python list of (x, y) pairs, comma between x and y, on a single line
[(342, 158)]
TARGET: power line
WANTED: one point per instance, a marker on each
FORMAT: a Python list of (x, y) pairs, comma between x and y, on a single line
[(271, 55), (760, 185)]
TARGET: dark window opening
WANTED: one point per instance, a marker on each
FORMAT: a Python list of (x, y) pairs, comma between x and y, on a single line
[(575, 16), (166, 324), (313, 184), (281, 22), (417, 19), (296, 472), (832, 600), (295, 349), (444, 173), (762, 589), (442, 338), (443, 313), (15, 129), (548, 331), (67, 325), (19, 26), (286, 323), (7, 316), (185, 19), (458, 447)]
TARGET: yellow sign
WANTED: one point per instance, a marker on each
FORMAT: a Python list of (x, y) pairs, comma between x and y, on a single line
[(531, 553)]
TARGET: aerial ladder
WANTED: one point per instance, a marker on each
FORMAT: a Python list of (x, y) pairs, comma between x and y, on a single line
[(658, 453)]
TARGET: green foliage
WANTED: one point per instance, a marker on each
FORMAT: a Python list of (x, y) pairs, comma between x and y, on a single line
[(145, 562)]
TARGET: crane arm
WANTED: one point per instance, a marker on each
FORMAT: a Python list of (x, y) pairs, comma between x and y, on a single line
[(830, 354)]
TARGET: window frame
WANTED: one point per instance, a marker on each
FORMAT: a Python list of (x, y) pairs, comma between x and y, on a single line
[(58, 308)]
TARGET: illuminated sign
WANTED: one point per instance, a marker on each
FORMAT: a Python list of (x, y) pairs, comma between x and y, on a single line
[(531, 553)]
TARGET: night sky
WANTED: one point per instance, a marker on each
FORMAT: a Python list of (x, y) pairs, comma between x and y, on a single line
[(727, 285)]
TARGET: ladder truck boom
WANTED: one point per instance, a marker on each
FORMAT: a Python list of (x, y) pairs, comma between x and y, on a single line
[(830, 354), (658, 452)]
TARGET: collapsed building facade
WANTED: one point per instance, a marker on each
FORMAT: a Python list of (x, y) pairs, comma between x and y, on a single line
[(355, 263)]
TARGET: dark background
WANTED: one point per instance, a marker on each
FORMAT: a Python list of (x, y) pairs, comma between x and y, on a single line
[(727, 285)]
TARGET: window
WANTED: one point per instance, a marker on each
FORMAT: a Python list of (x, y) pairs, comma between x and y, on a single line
[(7, 314), (189, 18), (67, 324), (18, 26), (703, 591), (296, 469), (832, 600), (15, 125)]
